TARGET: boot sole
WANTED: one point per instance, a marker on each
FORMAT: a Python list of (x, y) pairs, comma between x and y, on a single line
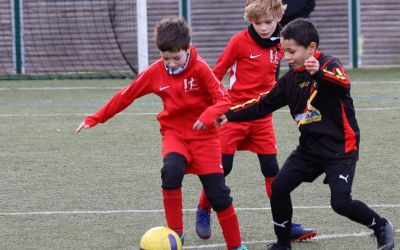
[(305, 237)]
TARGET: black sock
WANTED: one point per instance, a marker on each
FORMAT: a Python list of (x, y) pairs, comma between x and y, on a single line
[(361, 213), (282, 211)]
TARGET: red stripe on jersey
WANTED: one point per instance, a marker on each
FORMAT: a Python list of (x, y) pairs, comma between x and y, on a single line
[(350, 141)]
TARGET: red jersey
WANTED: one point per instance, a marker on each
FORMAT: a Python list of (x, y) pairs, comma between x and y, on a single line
[(194, 94), (252, 67)]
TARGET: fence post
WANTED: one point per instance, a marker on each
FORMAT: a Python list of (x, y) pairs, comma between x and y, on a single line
[(18, 35), (184, 10), (142, 41), (354, 32)]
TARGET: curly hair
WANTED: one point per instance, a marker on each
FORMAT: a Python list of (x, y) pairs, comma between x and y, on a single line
[(256, 9)]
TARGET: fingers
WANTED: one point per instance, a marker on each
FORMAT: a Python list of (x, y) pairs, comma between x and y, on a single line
[(222, 120), (311, 65), (82, 126), (198, 125)]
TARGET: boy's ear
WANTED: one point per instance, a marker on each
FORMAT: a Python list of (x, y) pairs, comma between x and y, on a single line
[(280, 16), (312, 47)]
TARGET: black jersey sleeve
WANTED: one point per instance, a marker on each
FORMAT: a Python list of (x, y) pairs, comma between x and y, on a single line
[(332, 72), (258, 108)]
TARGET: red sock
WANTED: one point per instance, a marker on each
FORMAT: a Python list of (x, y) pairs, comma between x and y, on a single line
[(230, 227), (268, 182), (172, 200), (203, 202)]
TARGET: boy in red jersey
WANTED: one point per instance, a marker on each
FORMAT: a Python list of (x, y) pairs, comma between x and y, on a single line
[(252, 56), (193, 99), (317, 91)]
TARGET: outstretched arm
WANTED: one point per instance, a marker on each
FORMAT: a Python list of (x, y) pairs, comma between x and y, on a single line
[(258, 108), (82, 126), (121, 100)]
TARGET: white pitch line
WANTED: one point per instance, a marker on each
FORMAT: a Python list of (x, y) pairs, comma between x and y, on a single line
[(151, 113), (104, 212), (376, 109), (317, 238), (67, 114), (60, 88), (373, 82)]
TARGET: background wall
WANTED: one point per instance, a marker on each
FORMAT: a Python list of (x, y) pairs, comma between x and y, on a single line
[(99, 36)]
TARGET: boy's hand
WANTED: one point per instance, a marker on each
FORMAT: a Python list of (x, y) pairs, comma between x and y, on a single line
[(221, 120), (82, 126), (198, 125), (311, 65)]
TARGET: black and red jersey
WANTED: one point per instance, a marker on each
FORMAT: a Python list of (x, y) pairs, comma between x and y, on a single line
[(321, 106)]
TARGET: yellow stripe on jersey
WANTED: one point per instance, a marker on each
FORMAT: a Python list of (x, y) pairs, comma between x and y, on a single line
[(249, 102), (240, 106), (339, 74)]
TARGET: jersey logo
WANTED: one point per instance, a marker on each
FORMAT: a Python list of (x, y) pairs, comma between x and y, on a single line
[(344, 178), (190, 85), (304, 84), (373, 223), (254, 56), (164, 88), (273, 56), (280, 225), (311, 114)]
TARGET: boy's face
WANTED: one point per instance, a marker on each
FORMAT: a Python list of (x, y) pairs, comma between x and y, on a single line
[(297, 54), (265, 26), (174, 60)]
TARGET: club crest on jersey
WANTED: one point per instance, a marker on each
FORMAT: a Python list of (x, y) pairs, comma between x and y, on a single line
[(307, 83), (311, 114), (190, 85), (273, 56), (308, 117), (304, 84)]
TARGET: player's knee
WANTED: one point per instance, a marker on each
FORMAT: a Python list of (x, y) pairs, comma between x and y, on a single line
[(220, 202), (227, 163), (341, 203), (216, 191), (280, 186), (269, 165), (173, 171)]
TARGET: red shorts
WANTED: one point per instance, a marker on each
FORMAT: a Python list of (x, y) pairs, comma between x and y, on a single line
[(256, 136), (203, 156)]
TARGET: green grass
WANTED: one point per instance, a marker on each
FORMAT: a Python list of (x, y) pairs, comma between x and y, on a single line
[(45, 166)]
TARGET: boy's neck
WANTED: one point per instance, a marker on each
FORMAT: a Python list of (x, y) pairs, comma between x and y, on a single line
[(273, 40)]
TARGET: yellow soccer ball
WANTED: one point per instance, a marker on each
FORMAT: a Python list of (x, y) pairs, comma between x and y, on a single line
[(160, 238)]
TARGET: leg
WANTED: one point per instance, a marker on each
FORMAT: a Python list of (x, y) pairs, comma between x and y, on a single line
[(230, 135), (340, 178), (281, 207), (172, 174), (357, 211), (269, 169), (219, 196), (227, 163), (203, 213), (296, 170)]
